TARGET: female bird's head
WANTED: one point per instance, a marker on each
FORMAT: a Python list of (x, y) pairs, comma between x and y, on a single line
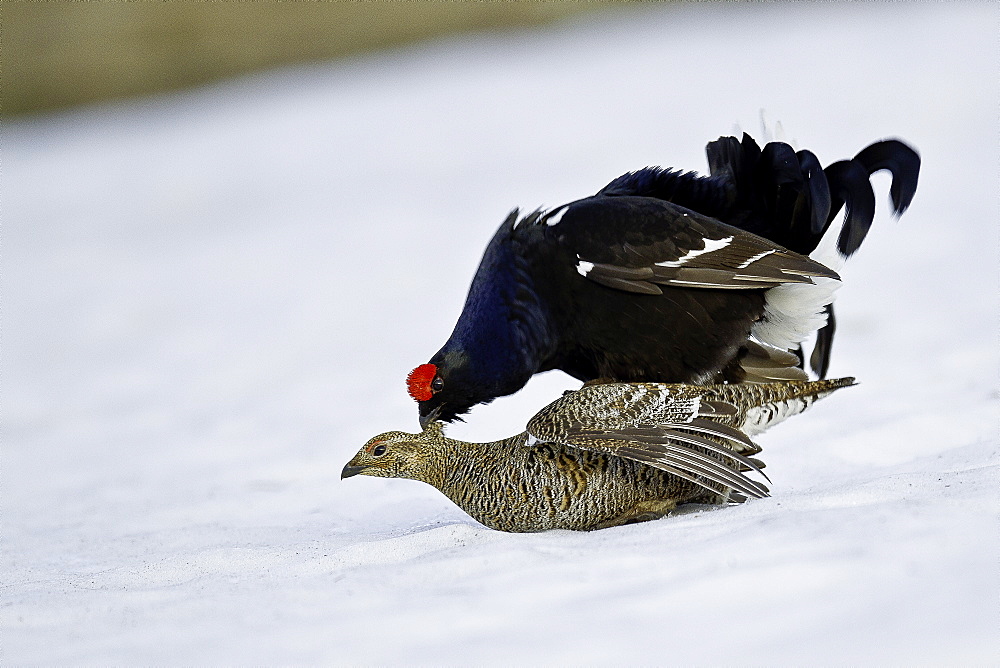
[(396, 454)]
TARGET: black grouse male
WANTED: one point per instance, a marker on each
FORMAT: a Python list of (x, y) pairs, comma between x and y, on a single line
[(664, 276)]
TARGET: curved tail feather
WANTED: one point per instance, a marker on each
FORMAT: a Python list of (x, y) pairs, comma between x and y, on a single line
[(901, 161), (789, 198), (850, 187), (786, 197)]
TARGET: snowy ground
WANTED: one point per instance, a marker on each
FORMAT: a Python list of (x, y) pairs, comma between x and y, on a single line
[(210, 301)]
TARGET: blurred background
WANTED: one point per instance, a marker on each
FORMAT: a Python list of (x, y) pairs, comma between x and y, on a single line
[(60, 54)]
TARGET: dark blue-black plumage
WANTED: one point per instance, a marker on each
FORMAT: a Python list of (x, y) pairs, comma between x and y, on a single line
[(660, 276)]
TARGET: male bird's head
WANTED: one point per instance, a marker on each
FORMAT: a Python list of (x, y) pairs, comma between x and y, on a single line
[(445, 388), (396, 454), (500, 339)]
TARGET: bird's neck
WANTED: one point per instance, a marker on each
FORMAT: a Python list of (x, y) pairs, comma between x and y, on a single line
[(504, 331), (452, 464)]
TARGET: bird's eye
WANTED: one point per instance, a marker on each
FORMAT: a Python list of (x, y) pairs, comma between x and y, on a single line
[(379, 450), (437, 384)]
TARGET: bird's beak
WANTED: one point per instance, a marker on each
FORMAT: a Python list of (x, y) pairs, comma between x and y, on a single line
[(351, 471), (430, 417)]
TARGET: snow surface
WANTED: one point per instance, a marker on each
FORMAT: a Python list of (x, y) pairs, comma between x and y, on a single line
[(210, 301)]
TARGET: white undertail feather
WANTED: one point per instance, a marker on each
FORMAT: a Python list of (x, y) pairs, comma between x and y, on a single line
[(826, 252), (794, 311)]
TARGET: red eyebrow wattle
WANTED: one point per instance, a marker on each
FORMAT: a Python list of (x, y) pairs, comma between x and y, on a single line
[(418, 383)]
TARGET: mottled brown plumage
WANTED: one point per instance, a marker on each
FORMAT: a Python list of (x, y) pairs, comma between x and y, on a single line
[(601, 456)]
